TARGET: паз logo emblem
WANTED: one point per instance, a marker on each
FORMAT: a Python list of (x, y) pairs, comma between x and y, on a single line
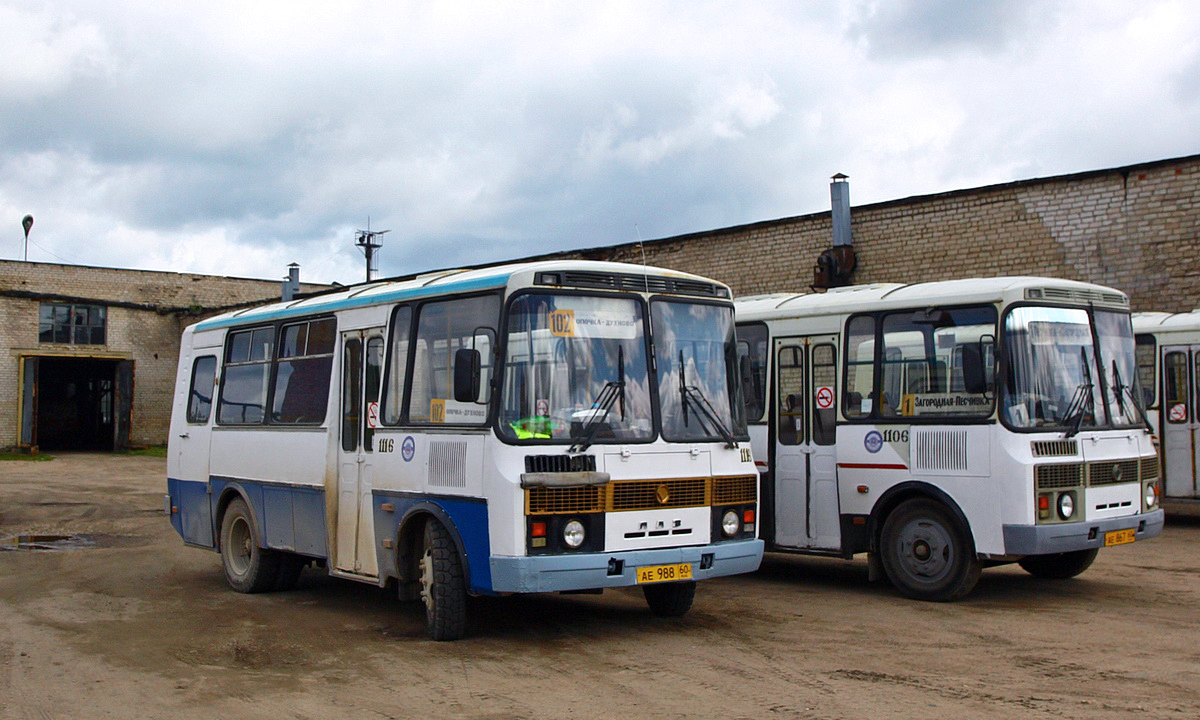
[(662, 494), (407, 448), (873, 442)]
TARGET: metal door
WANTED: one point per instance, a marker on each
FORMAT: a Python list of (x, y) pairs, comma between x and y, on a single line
[(1180, 420), (362, 362), (806, 501)]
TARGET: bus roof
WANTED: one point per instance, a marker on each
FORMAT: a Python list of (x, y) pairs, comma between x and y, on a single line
[(876, 296), (447, 282), (1151, 321)]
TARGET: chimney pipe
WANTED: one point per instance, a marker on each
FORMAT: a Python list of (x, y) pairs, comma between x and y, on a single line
[(835, 264), (291, 284)]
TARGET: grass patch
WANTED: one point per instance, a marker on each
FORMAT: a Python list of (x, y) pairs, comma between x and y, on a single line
[(153, 451), (23, 457)]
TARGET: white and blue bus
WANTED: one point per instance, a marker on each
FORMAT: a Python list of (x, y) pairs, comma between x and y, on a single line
[(941, 427), (540, 427)]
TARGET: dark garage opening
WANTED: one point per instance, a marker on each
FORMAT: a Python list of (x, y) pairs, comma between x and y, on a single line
[(81, 403)]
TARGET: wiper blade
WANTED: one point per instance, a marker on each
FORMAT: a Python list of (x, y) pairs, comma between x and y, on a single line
[(1081, 401), (612, 392), (1123, 391), (692, 394)]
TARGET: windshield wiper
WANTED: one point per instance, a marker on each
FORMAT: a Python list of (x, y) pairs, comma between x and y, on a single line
[(1124, 391), (692, 394), (1082, 401), (612, 392)]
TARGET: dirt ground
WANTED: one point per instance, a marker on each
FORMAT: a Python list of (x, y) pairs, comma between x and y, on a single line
[(137, 625)]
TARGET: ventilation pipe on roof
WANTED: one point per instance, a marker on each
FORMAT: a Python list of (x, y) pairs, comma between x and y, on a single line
[(835, 264), (291, 284)]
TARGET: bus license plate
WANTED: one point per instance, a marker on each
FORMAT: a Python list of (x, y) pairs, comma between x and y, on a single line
[(664, 573), (1120, 537)]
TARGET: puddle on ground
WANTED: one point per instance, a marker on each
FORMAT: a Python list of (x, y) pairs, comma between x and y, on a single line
[(46, 543)]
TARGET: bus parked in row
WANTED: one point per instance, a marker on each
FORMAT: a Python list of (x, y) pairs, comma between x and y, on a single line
[(554, 426), (945, 426), (1168, 346)]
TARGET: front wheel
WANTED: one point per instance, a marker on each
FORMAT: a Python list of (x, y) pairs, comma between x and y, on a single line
[(443, 589), (249, 567), (1058, 566), (926, 553), (670, 599)]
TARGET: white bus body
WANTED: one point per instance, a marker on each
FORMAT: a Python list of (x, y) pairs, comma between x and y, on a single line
[(555, 426), (1168, 346), (945, 426)]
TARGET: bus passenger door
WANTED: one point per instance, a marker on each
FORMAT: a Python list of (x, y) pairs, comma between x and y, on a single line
[(806, 501), (1180, 421), (362, 363)]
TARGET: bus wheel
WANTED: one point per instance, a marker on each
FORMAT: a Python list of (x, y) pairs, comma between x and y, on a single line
[(249, 567), (670, 599), (442, 588), (926, 554), (1058, 566)]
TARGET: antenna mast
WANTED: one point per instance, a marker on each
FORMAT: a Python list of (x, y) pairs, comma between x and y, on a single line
[(366, 240)]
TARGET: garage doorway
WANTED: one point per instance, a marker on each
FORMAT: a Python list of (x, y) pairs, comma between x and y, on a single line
[(76, 403)]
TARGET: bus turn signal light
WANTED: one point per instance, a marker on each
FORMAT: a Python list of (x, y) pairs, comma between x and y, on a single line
[(537, 529)]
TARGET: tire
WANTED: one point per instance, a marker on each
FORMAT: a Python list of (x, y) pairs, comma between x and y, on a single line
[(290, 567), (926, 553), (249, 567), (443, 589), (1058, 566), (670, 599)]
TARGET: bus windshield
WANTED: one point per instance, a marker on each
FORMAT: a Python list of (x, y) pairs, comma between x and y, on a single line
[(576, 368), (1061, 375), (696, 358)]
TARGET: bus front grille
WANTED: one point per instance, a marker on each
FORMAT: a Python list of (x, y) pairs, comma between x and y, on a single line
[(1050, 477), (560, 463), (655, 494), (1112, 473), (1055, 448), (734, 490), (1150, 468), (564, 500)]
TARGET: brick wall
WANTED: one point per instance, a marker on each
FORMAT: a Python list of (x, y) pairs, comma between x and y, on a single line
[(1135, 228)]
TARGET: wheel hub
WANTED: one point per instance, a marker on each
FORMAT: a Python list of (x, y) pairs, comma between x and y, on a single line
[(925, 550), (425, 565)]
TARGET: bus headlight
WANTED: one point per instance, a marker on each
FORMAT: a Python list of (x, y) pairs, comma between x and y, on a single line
[(730, 523), (573, 534), (1151, 495), (1066, 506)]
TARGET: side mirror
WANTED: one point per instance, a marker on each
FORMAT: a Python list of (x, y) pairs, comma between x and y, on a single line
[(974, 377), (467, 365)]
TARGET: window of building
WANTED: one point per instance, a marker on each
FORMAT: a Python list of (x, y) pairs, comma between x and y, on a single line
[(73, 324)]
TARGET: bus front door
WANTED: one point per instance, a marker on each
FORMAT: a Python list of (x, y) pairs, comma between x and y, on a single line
[(806, 500), (1180, 421), (362, 363)]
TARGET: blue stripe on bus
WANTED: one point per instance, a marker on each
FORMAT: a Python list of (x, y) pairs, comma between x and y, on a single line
[(468, 516), (398, 295)]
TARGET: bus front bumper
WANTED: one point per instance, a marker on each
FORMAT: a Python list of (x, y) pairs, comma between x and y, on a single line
[(1070, 537), (589, 571)]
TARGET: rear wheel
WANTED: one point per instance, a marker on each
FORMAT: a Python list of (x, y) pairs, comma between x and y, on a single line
[(1059, 566), (249, 567), (670, 599), (443, 588), (926, 553)]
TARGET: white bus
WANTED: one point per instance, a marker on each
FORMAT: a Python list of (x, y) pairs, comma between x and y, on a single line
[(554, 426), (946, 426), (1168, 346)]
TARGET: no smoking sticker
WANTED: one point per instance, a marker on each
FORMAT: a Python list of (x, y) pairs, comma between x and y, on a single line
[(824, 397), (1178, 413)]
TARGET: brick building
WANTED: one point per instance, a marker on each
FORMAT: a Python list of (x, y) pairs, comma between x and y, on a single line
[(88, 354), (1136, 228)]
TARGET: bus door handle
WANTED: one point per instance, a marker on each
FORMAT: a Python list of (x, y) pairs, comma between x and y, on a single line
[(184, 435)]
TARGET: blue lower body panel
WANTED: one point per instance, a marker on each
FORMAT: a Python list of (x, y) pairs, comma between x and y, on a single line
[(555, 573)]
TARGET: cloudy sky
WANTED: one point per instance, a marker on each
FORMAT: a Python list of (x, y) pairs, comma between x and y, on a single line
[(236, 137)]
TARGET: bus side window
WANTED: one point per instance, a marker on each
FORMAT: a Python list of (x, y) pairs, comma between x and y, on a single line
[(397, 367), (1146, 353), (443, 328), (859, 380), (200, 394)]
